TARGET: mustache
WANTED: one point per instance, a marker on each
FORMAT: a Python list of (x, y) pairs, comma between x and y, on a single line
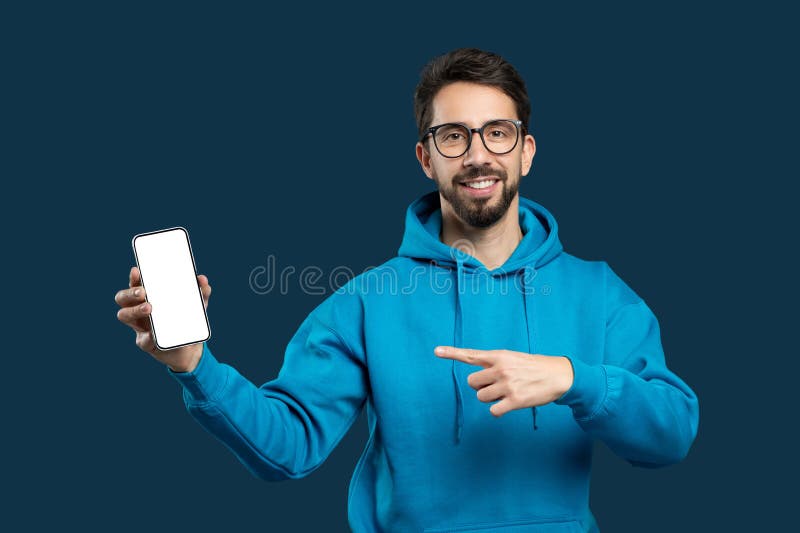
[(477, 172)]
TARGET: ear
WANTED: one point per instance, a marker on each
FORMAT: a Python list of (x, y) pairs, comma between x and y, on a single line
[(528, 150), (424, 158)]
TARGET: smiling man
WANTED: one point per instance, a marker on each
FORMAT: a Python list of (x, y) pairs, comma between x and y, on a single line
[(472, 180), (487, 383)]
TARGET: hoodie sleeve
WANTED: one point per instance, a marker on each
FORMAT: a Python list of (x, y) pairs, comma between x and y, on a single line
[(287, 427), (631, 401)]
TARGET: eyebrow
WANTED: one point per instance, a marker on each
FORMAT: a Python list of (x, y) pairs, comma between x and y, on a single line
[(484, 122)]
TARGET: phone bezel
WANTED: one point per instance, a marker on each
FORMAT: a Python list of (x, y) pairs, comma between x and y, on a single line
[(194, 268)]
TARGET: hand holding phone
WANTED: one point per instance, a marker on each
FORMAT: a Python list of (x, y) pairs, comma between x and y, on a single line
[(165, 280)]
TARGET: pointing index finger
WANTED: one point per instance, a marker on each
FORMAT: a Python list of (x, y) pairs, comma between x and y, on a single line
[(467, 355)]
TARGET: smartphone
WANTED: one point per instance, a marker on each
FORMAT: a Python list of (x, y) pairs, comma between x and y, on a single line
[(169, 276)]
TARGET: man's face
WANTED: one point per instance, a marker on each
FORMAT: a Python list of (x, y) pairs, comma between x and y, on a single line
[(474, 105)]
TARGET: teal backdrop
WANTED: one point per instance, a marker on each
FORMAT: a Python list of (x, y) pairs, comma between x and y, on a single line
[(663, 147)]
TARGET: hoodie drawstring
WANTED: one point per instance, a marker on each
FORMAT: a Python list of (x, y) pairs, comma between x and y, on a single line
[(539, 246), (526, 298), (457, 341)]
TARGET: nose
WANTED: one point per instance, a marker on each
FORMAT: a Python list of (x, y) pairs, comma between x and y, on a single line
[(477, 154)]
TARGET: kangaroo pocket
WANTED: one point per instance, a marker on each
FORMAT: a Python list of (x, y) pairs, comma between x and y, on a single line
[(540, 525)]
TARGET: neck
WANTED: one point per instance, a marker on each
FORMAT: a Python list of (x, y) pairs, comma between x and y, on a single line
[(491, 246)]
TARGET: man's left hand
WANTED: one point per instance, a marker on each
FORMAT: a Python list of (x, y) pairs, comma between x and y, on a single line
[(517, 379)]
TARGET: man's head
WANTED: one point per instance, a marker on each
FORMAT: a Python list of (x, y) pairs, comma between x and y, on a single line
[(472, 88)]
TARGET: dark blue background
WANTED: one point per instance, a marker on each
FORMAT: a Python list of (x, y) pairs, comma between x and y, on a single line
[(662, 148)]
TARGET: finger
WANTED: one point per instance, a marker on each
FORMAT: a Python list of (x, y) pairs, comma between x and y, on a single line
[(491, 393), (144, 341), (205, 287), (135, 277), (467, 355), (501, 407), (136, 317), (130, 297), (482, 378)]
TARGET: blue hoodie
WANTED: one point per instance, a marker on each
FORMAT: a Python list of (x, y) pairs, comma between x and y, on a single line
[(437, 459)]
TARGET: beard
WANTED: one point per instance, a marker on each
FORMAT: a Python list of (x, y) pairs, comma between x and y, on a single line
[(479, 212)]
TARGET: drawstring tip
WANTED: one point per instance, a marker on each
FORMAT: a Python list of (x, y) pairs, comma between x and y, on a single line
[(535, 427)]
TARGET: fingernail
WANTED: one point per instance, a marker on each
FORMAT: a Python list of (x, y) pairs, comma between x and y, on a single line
[(143, 307), (136, 292)]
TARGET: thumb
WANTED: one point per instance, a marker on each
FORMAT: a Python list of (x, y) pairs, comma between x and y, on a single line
[(205, 287), (135, 277)]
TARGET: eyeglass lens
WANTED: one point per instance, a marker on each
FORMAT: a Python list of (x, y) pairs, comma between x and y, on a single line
[(499, 137)]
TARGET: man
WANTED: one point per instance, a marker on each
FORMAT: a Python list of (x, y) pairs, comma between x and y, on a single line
[(487, 371)]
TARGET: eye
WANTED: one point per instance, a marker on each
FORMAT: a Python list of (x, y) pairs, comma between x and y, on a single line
[(499, 131), (451, 134)]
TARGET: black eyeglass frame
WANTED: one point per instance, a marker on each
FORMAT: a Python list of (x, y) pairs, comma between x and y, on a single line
[(432, 132)]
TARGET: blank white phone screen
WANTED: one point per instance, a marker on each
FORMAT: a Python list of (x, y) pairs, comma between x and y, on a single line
[(170, 282)]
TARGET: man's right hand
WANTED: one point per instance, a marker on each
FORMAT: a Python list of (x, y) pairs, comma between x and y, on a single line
[(134, 311)]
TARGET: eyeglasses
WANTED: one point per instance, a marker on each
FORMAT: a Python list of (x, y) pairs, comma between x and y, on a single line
[(454, 139)]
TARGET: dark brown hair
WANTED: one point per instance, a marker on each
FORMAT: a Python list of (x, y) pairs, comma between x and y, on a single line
[(471, 65)]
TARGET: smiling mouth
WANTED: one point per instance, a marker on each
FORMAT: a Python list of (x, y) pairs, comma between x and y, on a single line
[(483, 183)]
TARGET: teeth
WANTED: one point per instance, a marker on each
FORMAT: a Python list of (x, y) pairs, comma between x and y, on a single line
[(480, 184)]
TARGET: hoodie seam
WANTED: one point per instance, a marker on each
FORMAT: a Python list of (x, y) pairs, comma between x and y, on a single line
[(211, 400), (620, 308), (254, 449), (617, 311), (602, 402), (338, 336), (352, 419)]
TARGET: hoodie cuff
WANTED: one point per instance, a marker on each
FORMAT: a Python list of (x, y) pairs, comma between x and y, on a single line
[(588, 390), (206, 381)]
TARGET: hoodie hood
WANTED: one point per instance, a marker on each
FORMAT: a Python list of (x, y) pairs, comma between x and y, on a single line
[(539, 245)]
